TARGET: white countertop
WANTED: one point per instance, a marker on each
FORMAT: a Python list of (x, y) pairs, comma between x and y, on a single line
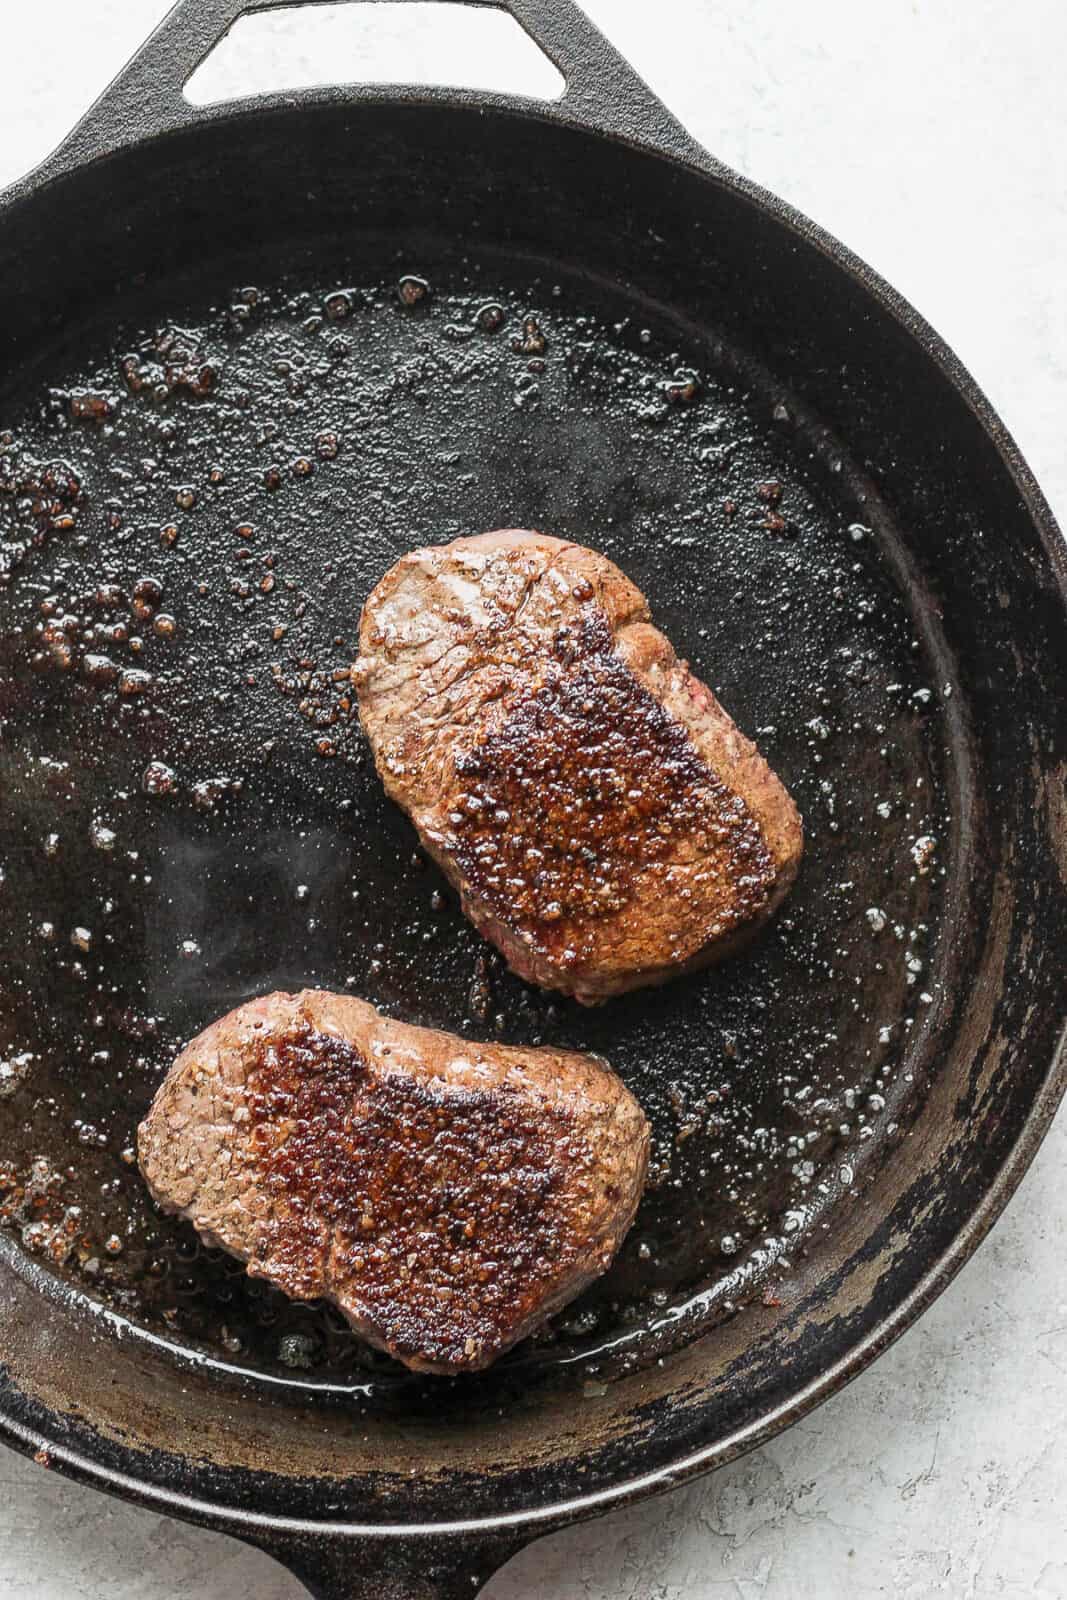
[(930, 135)]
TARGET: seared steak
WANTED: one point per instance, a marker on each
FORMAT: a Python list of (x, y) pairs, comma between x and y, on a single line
[(605, 822), (447, 1196)]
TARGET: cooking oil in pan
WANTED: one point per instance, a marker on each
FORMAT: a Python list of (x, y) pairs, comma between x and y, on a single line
[(191, 514)]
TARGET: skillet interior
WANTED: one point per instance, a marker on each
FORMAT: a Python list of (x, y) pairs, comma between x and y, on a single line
[(910, 560)]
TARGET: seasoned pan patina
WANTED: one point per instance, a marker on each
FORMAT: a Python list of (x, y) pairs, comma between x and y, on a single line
[(199, 820)]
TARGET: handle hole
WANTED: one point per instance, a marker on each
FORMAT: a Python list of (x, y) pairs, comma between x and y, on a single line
[(400, 42)]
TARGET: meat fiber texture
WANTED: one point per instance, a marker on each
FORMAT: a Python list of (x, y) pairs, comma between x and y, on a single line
[(605, 822), (446, 1196)]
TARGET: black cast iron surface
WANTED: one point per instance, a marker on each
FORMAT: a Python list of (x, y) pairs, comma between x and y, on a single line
[(193, 816), (226, 414)]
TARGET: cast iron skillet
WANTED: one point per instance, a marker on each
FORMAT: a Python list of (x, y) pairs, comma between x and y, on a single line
[(201, 333)]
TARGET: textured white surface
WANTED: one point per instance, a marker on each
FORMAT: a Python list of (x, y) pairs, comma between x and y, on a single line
[(931, 135)]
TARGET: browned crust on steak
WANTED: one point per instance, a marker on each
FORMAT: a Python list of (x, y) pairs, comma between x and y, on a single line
[(605, 821), (447, 1196)]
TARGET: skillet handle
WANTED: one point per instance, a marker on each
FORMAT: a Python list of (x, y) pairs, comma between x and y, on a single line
[(602, 91), (332, 1568)]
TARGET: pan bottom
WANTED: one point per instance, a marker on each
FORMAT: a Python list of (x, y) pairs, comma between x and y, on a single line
[(192, 509)]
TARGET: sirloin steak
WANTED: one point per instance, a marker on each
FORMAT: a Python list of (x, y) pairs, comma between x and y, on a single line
[(605, 822), (446, 1196)]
